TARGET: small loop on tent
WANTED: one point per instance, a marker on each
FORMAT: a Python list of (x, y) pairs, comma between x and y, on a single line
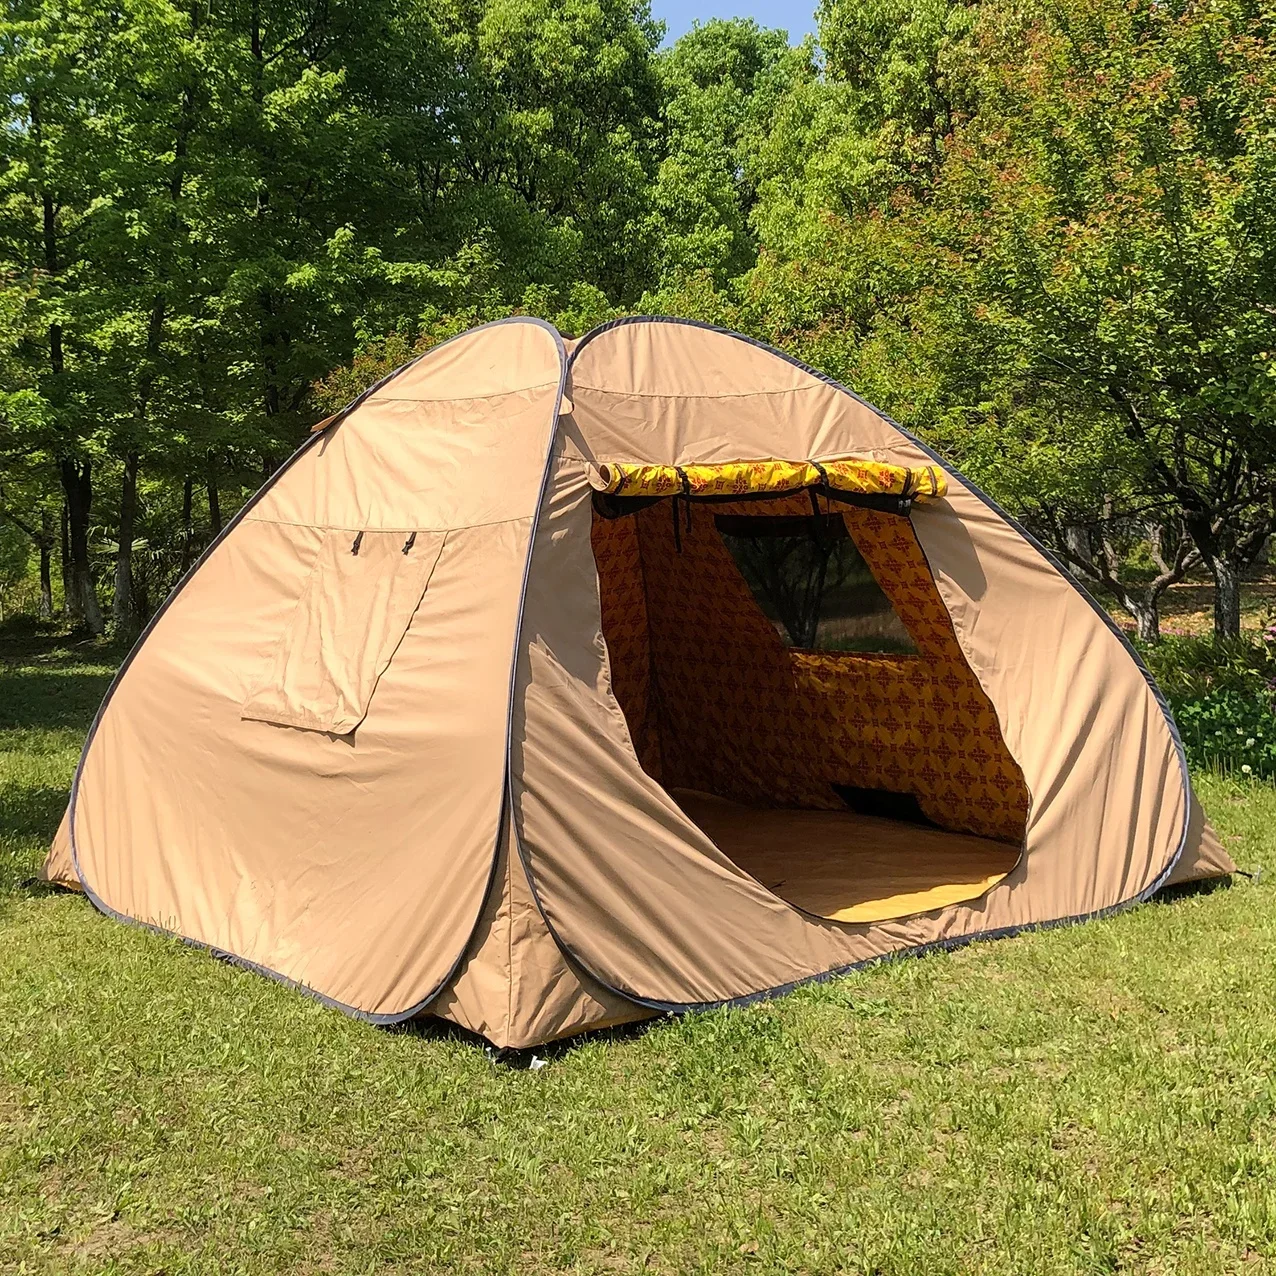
[(354, 546), (407, 544), (324, 424), (677, 531)]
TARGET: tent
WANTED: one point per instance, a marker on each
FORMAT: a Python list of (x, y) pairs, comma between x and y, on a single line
[(552, 685)]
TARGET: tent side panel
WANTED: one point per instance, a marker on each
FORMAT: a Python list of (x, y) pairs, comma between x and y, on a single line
[(1203, 857), (478, 994), (1109, 795), (629, 886), (516, 987), (58, 866), (355, 865)]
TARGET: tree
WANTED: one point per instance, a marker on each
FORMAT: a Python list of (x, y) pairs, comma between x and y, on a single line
[(25, 504), (50, 155), (14, 553), (1105, 215), (721, 82), (1040, 235)]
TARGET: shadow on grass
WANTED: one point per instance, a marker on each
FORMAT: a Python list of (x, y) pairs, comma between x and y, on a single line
[(49, 698), (429, 1028), (50, 683), (18, 883), (53, 651), (32, 813), (29, 817), (1188, 890), (38, 888)]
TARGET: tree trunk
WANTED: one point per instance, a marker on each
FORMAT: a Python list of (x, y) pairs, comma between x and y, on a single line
[(77, 485), (1077, 540), (214, 507), (124, 610), (71, 608), (1144, 606), (1147, 619), (46, 565), (188, 526), (74, 599), (1227, 598)]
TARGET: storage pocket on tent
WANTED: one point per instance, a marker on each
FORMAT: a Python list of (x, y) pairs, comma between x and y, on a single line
[(351, 617)]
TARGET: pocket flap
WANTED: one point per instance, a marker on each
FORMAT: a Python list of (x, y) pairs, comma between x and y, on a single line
[(351, 617)]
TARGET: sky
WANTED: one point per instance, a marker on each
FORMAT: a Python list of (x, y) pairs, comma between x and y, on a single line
[(794, 16)]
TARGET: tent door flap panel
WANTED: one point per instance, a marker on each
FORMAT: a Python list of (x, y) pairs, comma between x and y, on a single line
[(355, 608)]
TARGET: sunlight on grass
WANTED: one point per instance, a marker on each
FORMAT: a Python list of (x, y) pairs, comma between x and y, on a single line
[(1080, 1100)]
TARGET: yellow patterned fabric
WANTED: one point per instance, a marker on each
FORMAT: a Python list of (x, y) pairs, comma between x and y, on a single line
[(717, 702), (625, 625), (921, 724), (729, 718), (894, 480), (752, 478)]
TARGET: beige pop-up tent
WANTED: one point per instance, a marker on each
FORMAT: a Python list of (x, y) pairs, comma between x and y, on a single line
[(543, 691)]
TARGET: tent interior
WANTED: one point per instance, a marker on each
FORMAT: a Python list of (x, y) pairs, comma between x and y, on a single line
[(791, 677)]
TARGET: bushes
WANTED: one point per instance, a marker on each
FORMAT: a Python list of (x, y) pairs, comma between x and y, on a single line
[(1223, 694)]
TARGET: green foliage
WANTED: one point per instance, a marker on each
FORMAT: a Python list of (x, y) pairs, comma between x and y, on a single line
[(204, 212), (1104, 213), (1039, 234), (1223, 694), (15, 559), (722, 84)]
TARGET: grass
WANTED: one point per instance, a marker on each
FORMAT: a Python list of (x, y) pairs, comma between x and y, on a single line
[(1090, 1099)]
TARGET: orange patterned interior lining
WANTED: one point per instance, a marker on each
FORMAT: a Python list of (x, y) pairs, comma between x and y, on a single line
[(717, 702)]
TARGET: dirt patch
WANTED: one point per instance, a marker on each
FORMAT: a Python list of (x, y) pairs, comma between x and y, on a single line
[(1187, 609), (111, 1238)]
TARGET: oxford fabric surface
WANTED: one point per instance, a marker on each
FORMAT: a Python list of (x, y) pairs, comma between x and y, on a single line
[(353, 612), (356, 865)]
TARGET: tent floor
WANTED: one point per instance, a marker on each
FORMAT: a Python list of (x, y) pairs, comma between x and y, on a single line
[(848, 867)]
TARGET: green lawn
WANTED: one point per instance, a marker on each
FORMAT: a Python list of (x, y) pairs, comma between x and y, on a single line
[(1096, 1098)]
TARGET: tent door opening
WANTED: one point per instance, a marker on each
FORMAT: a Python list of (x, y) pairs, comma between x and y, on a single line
[(790, 676)]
